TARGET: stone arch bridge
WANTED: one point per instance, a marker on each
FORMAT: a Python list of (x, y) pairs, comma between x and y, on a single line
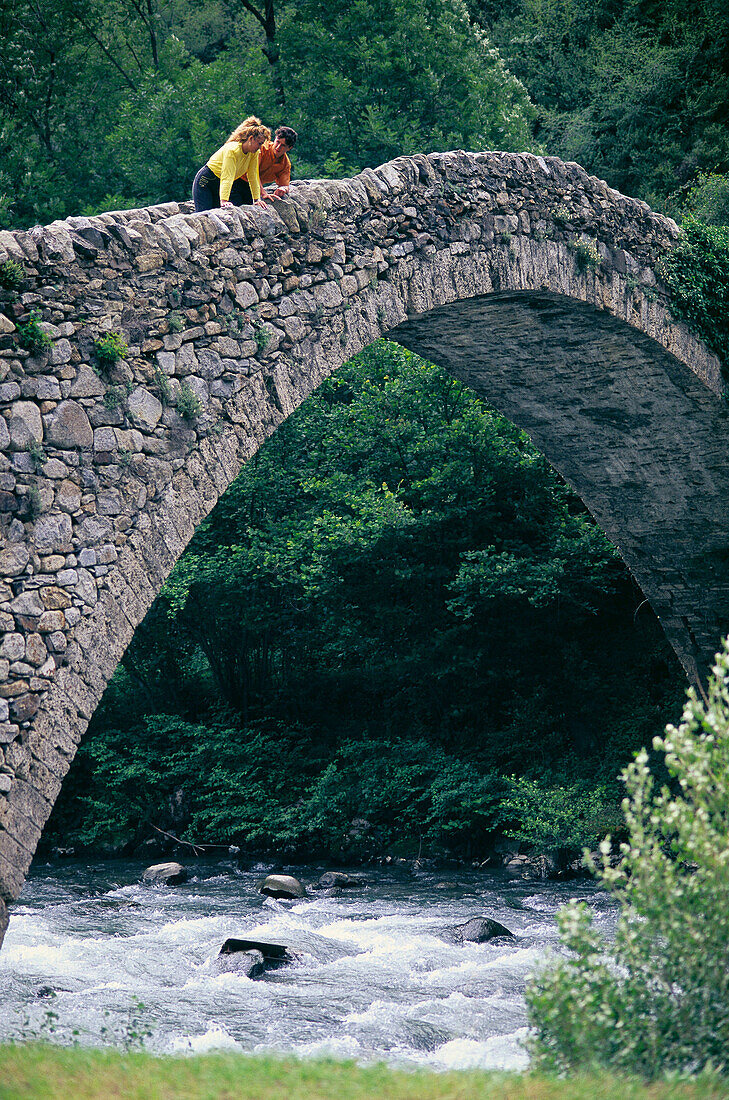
[(533, 282)]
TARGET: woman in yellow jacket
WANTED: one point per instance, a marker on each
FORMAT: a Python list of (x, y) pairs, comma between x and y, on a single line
[(219, 182)]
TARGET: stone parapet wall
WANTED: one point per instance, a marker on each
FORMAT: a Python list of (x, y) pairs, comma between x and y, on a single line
[(231, 319)]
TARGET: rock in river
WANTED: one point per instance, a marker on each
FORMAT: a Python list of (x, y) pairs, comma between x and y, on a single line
[(282, 886), (475, 930), (252, 957), (249, 963), (165, 874), (339, 879)]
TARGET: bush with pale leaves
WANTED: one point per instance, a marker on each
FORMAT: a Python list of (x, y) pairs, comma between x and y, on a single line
[(655, 1000)]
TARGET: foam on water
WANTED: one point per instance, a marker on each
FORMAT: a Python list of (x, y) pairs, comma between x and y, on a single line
[(373, 979), (499, 1052), (215, 1038), (343, 1047)]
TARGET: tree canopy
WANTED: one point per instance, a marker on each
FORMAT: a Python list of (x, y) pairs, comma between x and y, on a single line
[(117, 104)]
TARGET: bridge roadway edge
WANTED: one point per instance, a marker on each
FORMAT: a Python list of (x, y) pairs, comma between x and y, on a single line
[(103, 482)]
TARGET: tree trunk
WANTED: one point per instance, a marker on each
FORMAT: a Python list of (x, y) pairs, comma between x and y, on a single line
[(267, 19)]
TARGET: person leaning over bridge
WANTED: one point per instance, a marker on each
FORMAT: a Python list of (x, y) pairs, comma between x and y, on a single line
[(274, 165), (220, 182)]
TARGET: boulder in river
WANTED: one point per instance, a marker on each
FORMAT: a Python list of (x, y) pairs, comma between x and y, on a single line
[(339, 880), (165, 874), (532, 867), (249, 963), (281, 886), (272, 954), (475, 930)]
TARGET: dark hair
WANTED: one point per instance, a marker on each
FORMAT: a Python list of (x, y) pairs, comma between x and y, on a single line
[(288, 135)]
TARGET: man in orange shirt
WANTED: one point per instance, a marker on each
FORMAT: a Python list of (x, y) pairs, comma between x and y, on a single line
[(274, 165)]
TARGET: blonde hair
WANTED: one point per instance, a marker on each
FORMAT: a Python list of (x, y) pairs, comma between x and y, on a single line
[(250, 127)]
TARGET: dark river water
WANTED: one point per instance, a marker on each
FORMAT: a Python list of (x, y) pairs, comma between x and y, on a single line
[(374, 981)]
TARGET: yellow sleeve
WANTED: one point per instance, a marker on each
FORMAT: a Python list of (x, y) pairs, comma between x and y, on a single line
[(253, 180), (229, 171)]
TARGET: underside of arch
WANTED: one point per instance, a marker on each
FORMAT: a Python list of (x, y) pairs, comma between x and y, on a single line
[(631, 429)]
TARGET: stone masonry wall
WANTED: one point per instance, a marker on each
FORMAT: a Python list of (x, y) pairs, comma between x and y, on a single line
[(232, 318)]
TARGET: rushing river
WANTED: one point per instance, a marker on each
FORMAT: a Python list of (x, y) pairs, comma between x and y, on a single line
[(374, 981)]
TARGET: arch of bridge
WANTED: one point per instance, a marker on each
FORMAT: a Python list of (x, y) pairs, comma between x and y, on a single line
[(473, 260)]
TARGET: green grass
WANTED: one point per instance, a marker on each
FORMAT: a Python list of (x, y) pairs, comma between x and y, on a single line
[(58, 1073)]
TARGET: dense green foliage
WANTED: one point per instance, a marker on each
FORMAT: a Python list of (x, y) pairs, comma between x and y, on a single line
[(357, 632), (372, 80), (118, 103), (657, 999), (634, 90), (696, 273)]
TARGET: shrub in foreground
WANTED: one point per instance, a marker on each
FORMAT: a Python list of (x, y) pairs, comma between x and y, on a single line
[(657, 999)]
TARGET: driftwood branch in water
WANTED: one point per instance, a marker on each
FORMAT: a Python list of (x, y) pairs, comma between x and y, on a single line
[(195, 847)]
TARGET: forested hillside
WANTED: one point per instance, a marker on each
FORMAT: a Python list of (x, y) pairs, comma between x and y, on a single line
[(399, 629), (636, 91), (106, 103), (109, 103)]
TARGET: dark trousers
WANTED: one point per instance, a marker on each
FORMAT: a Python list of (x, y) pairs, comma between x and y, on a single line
[(206, 191)]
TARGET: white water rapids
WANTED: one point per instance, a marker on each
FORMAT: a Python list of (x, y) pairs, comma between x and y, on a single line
[(87, 943)]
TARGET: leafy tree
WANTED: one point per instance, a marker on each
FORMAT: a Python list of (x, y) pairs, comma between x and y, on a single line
[(64, 69), (656, 1000), (634, 91), (264, 12), (376, 79), (563, 817), (707, 198)]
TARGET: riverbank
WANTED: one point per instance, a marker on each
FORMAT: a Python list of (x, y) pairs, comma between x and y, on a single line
[(515, 859), (32, 1070)]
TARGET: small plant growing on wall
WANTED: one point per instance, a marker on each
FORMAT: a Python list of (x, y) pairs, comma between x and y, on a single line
[(237, 323), (37, 453), (109, 349), (35, 504), (31, 335), (189, 404), (12, 274), (587, 255), (114, 397), (161, 383), (175, 322), (261, 335), (695, 275), (561, 214)]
